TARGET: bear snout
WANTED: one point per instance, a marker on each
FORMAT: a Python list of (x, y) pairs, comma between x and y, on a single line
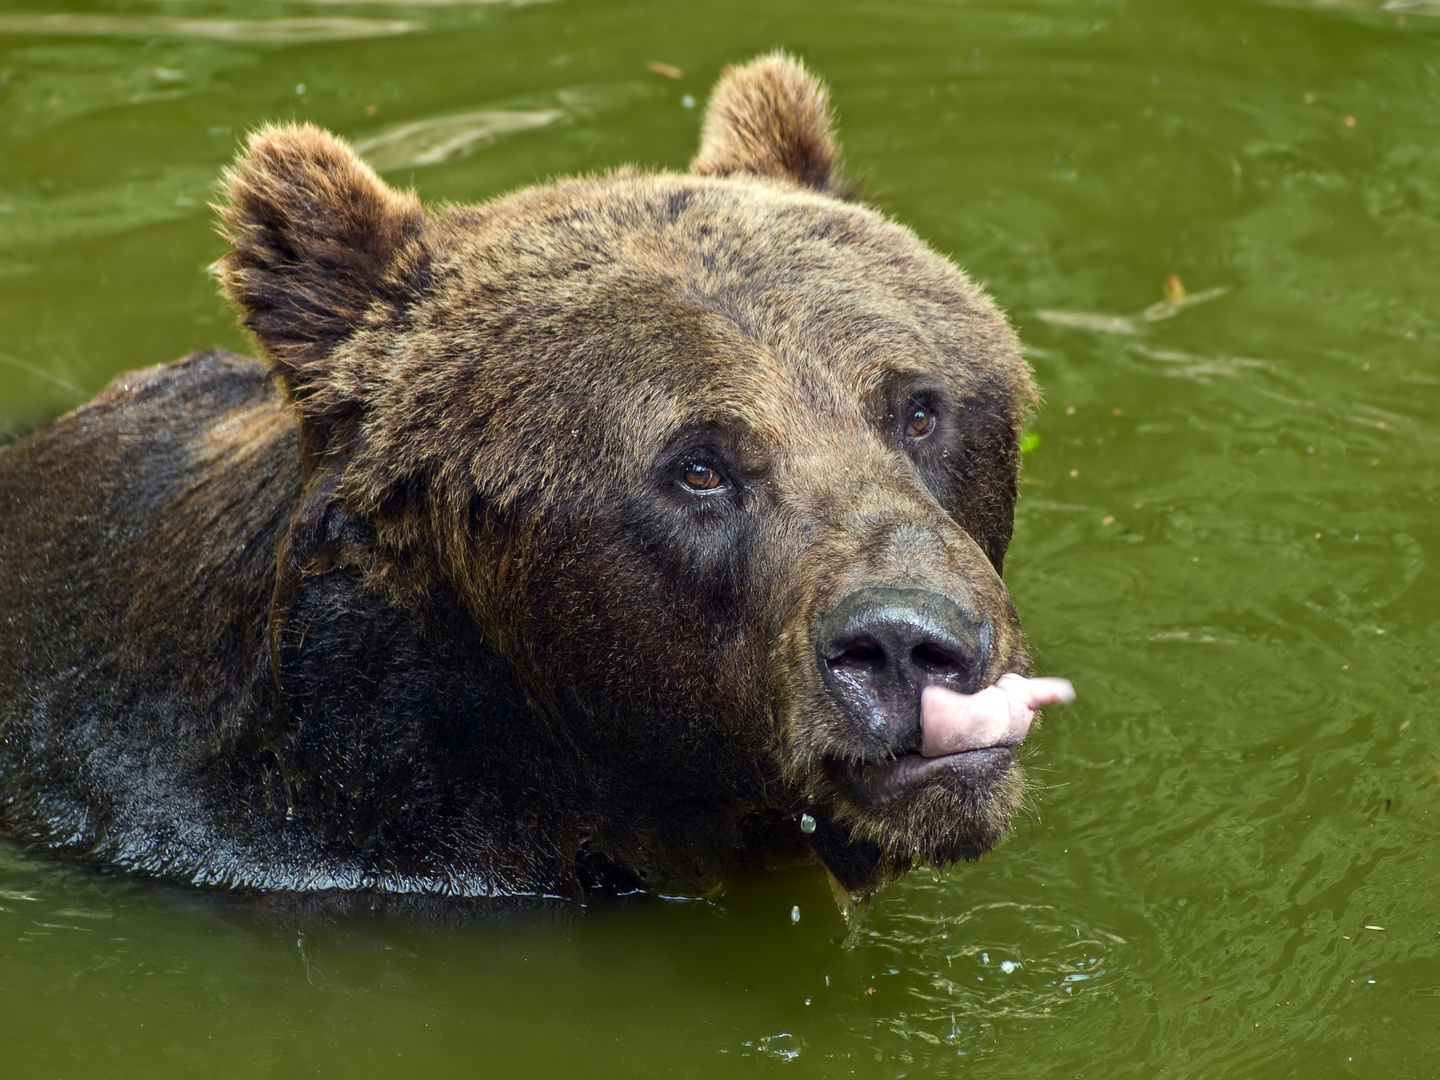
[(880, 646)]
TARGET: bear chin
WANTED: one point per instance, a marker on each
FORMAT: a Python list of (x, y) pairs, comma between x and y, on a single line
[(930, 812)]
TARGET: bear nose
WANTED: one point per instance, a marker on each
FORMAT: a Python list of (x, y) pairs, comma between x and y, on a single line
[(880, 646)]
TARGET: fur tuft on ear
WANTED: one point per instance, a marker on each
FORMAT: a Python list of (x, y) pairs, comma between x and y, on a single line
[(319, 241), (770, 118)]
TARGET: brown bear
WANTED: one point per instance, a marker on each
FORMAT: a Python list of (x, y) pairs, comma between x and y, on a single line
[(619, 532)]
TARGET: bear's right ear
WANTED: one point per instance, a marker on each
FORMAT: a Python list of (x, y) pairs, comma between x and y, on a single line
[(321, 246), (770, 118)]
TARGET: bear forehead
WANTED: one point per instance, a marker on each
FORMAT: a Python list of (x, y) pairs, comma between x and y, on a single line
[(695, 295), (606, 315)]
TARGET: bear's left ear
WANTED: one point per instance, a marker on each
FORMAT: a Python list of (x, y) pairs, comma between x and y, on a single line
[(321, 246), (770, 118)]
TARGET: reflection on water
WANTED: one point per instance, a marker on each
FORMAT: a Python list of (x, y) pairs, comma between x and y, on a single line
[(429, 142), (434, 140), (276, 31), (35, 219), (1130, 324), (1216, 228)]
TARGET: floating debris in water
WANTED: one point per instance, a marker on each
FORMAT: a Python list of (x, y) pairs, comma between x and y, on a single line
[(807, 824), (795, 913), (670, 71)]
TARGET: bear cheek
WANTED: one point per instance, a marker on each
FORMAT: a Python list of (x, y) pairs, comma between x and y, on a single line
[(642, 644)]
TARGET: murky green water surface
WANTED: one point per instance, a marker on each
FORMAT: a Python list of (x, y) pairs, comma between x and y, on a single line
[(1223, 535)]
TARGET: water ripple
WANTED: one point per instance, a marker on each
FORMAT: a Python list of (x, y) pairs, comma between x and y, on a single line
[(257, 31), (437, 139)]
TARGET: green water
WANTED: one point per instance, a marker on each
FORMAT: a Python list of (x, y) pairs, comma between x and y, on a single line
[(1222, 537)]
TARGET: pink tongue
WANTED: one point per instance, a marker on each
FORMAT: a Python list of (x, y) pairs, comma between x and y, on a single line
[(999, 715)]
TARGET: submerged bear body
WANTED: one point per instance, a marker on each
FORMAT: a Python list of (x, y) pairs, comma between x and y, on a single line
[(607, 535)]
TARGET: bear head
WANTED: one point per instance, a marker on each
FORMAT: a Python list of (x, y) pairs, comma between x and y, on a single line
[(723, 463)]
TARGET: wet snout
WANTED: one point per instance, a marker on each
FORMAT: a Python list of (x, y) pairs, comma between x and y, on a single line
[(881, 646)]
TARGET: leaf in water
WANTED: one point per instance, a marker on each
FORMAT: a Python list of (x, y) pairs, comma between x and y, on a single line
[(258, 31), (1174, 288)]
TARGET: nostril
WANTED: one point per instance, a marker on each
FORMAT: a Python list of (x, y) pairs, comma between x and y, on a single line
[(860, 653), (934, 660), (880, 646)]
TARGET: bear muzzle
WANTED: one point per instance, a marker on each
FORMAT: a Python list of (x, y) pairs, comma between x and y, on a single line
[(880, 646), (912, 671)]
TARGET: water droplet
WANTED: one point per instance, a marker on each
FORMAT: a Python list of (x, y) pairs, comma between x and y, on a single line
[(807, 824), (1008, 966), (795, 917)]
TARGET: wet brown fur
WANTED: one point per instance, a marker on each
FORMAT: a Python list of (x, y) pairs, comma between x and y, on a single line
[(431, 615)]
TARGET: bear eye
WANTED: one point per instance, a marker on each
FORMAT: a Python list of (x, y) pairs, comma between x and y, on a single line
[(701, 477), (919, 420)]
